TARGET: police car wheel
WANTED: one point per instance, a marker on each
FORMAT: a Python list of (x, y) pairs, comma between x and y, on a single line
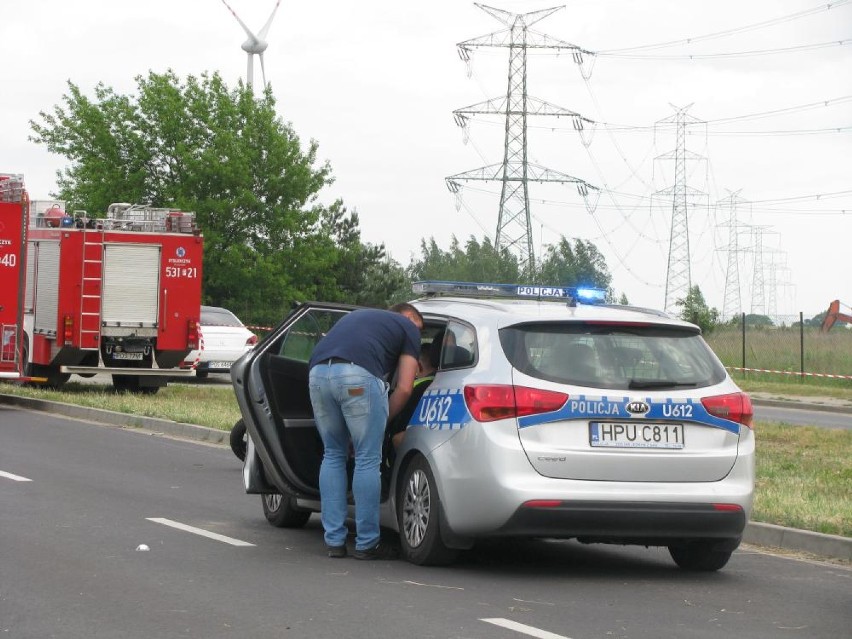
[(419, 514), (700, 556), (238, 440), (281, 511)]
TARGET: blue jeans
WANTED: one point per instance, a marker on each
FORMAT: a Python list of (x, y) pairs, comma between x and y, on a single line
[(349, 404)]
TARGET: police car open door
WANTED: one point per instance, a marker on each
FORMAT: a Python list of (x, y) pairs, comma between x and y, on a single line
[(271, 384)]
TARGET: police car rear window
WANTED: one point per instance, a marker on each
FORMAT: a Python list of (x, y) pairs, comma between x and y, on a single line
[(612, 356)]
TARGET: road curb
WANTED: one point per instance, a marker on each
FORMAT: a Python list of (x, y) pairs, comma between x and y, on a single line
[(781, 403), (834, 546), (756, 533), (124, 420)]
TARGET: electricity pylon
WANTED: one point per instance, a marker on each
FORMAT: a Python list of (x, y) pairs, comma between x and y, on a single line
[(732, 303), (758, 281), (678, 272), (514, 230)]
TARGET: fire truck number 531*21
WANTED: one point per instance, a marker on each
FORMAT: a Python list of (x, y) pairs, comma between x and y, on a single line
[(118, 295)]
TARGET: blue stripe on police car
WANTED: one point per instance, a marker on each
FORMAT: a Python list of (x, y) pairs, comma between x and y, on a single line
[(441, 409), (601, 407)]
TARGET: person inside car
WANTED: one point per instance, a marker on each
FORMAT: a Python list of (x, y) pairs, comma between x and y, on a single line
[(430, 355)]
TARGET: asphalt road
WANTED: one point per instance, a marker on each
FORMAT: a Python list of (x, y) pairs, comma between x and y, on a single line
[(803, 417), (78, 499)]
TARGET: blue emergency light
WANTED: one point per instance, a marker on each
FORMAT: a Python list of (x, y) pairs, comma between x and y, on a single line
[(571, 294)]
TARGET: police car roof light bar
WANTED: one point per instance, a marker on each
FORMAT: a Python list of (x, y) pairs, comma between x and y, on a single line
[(571, 294)]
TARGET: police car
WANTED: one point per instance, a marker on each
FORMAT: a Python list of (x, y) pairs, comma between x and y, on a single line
[(549, 416)]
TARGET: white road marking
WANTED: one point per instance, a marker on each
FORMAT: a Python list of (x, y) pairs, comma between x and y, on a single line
[(199, 531), (524, 629), (13, 477)]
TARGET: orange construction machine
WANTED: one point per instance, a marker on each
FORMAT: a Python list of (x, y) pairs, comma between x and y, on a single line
[(835, 315)]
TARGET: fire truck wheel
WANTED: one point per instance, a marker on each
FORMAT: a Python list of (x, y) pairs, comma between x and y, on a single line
[(55, 379), (26, 367), (130, 384)]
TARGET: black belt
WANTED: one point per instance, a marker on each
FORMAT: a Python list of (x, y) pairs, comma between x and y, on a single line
[(337, 360)]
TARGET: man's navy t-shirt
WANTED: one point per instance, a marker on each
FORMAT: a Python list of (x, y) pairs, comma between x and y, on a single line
[(372, 338)]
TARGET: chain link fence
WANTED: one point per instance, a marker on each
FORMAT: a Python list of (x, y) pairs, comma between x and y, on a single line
[(784, 347)]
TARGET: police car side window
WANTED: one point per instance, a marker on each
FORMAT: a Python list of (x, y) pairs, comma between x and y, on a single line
[(302, 337), (460, 346)]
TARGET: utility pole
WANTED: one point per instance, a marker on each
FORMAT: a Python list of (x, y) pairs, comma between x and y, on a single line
[(514, 229), (678, 272)]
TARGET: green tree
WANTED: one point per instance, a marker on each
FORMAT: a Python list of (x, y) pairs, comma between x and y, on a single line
[(759, 321), (694, 309), (563, 264), (577, 264), (477, 261), (224, 153)]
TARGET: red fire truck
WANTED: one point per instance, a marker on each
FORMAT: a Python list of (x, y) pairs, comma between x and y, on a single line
[(118, 295), (13, 238)]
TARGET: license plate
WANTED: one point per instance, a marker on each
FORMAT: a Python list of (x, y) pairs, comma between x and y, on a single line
[(127, 356), (219, 365), (635, 435)]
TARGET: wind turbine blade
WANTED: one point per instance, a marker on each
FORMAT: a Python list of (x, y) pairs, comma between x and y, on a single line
[(262, 70), (262, 33), (242, 24)]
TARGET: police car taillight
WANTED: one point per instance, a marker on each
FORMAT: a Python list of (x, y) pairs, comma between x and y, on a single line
[(490, 402), (734, 406)]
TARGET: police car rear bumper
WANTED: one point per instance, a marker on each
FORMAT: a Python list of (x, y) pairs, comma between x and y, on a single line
[(647, 523)]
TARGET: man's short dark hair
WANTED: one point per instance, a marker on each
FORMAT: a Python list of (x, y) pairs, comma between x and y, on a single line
[(405, 307)]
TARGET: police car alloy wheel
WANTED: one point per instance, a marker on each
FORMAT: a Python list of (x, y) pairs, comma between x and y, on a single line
[(281, 511), (419, 512)]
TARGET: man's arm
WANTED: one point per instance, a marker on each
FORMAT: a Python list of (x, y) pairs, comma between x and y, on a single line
[(405, 372)]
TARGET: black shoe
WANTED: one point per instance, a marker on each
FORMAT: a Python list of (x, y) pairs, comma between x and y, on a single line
[(379, 551), (336, 552)]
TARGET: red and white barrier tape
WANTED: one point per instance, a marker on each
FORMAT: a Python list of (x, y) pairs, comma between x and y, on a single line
[(764, 370), (259, 328)]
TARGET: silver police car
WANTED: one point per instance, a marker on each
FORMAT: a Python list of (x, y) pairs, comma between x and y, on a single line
[(548, 417)]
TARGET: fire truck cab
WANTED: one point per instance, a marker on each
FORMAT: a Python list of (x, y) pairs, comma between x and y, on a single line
[(13, 237), (118, 295)]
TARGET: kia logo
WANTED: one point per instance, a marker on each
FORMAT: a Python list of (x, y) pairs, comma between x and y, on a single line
[(637, 407)]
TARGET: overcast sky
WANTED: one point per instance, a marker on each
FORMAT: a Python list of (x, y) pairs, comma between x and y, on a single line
[(375, 83)]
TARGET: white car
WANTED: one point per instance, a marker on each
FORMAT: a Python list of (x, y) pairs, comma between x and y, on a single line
[(223, 339), (547, 417)]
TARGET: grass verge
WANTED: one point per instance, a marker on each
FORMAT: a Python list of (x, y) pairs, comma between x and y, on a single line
[(804, 474), (210, 406)]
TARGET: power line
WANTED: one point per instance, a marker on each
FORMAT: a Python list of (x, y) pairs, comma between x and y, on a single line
[(736, 118), (801, 107), (719, 34), (728, 54)]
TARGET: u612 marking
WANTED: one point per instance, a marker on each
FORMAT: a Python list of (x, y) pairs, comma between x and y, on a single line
[(435, 410)]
